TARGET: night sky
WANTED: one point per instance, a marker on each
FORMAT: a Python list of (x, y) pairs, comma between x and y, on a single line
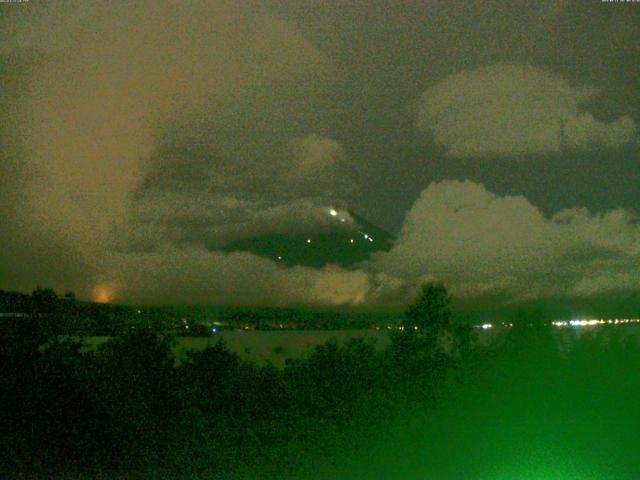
[(498, 141)]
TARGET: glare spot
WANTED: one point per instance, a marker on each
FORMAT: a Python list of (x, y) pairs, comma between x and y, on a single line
[(101, 295)]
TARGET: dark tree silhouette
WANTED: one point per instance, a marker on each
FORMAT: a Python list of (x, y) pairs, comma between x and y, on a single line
[(70, 296), (431, 311), (45, 300)]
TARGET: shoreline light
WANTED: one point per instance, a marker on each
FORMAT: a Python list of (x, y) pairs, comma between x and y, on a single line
[(577, 322), (582, 322)]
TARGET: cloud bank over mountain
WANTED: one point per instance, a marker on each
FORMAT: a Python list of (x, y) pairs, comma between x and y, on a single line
[(137, 140)]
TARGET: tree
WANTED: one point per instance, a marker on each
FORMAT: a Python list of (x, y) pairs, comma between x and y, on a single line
[(70, 296), (431, 311), (420, 352), (45, 300)]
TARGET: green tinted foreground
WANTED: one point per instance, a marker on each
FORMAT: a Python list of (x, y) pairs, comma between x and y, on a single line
[(518, 409), (530, 413)]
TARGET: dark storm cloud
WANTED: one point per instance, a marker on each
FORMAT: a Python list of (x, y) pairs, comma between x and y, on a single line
[(136, 137)]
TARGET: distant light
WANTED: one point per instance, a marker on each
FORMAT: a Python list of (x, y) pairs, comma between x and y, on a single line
[(486, 326), (370, 239), (333, 212), (214, 330), (351, 240), (366, 236), (279, 257), (342, 220), (102, 294), (308, 240), (186, 326)]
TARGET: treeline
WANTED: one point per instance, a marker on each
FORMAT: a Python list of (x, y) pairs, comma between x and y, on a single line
[(127, 410), (68, 316), (269, 318), (63, 314)]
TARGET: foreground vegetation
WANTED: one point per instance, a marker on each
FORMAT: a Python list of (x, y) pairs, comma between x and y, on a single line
[(128, 409), (432, 405)]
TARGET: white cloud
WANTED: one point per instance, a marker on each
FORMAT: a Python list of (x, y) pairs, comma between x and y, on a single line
[(474, 241), (178, 275), (478, 242), (508, 109)]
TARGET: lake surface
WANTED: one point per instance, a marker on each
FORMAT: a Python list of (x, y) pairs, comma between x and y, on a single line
[(275, 346), (263, 346)]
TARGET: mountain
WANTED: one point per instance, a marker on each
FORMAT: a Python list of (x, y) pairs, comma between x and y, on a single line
[(345, 245)]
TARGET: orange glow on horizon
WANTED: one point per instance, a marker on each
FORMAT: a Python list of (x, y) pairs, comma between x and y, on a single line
[(101, 295)]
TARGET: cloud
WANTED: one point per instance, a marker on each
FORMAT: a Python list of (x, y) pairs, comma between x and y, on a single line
[(192, 197), (104, 108), (139, 139), (144, 122), (213, 221), (509, 109), (194, 275), (316, 164), (481, 243), (154, 134)]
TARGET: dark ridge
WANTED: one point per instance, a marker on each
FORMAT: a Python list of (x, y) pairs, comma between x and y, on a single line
[(343, 245)]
